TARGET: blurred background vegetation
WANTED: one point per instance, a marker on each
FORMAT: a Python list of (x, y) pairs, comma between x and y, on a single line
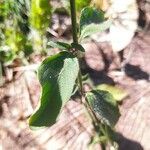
[(24, 25), (25, 28)]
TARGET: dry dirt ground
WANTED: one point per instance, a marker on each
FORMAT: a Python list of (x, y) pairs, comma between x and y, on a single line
[(73, 130)]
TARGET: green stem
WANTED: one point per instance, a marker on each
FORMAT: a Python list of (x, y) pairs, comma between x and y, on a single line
[(73, 20), (75, 40), (80, 82)]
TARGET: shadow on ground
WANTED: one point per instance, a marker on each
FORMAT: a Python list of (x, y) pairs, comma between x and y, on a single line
[(135, 72), (127, 144)]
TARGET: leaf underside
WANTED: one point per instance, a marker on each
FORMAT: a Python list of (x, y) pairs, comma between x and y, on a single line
[(95, 28), (92, 21), (104, 106), (57, 75)]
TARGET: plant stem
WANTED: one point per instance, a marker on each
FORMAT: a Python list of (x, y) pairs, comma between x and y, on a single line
[(73, 20), (75, 40), (80, 82), (92, 115)]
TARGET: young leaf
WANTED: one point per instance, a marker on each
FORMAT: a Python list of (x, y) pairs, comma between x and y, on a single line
[(116, 92), (95, 28), (91, 15), (92, 21), (57, 75), (59, 45), (104, 106), (77, 47)]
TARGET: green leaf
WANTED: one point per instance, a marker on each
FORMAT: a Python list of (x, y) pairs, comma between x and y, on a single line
[(92, 21), (104, 106), (80, 51), (116, 92), (78, 47), (85, 77), (59, 45), (91, 15), (57, 75), (94, 28), (111, 134), (75, 89)]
